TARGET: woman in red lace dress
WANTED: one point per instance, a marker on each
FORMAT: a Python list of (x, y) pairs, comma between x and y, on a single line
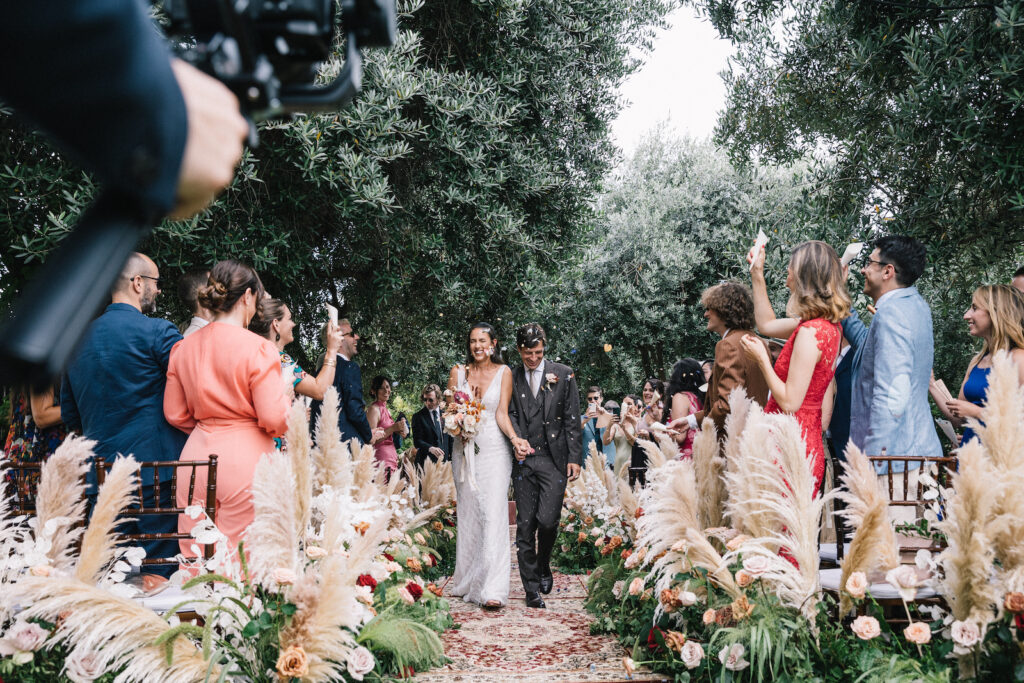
[(800, 379)]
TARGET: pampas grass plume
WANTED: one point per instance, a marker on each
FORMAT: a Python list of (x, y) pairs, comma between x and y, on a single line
[(61, 496), (100, 540)]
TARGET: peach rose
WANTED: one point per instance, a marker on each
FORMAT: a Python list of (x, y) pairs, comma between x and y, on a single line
[(918, 633), (857, 585), (432, 587), (1014, 602), (437, 526), (736, 542), (865, 627), (588, 520), (615, 542), (606, 550), (636, 586), (709, 617), (293, 663), (674, 640), (419, 538), (581, 536), (314, 552), (626, 553), (413, 564), (743, 578), (741, 608), (679, 546)]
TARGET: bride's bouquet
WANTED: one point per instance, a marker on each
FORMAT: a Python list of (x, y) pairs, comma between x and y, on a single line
[(463, 417)]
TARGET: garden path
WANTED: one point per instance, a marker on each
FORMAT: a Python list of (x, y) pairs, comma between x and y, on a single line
[(522, 645)]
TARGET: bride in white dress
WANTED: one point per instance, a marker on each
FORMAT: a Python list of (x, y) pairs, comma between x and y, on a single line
[(483, 560)]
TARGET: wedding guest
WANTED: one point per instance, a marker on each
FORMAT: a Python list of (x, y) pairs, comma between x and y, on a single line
[(838, 425), (348, 380), (428, 435), (188, 292), (638, 456), (729, 310), (1018, 279), (592, 433), (892, 364), (708, 368), (994, 316), (379, 417), (34, 434), (801, 377), (622, 432), (684, 398), (113, 391), (274, 322), (653, 390), (224, 390)]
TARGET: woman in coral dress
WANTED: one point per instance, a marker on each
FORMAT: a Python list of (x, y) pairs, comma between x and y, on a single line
[(802, 374), (224, 388)]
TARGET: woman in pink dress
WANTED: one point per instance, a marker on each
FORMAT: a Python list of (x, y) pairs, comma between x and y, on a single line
[(379, 417), (684, 398), (224, 388), (801, 376)]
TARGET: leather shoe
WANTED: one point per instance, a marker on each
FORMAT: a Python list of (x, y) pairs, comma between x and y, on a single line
[(547, 582), (533, 600)]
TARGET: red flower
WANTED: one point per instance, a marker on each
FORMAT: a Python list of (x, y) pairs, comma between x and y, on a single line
[(1018, 621), (415, 590), (389, 556), (652, 638), (430, 560), (639, 513), (407, 672), (367, 580)]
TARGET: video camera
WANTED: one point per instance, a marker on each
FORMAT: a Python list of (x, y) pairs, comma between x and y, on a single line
[(269, 53)]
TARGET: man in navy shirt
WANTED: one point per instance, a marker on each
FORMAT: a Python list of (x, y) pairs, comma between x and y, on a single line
[(113, 390)]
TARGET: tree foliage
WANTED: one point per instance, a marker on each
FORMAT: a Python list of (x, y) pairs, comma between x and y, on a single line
[(465, 170)]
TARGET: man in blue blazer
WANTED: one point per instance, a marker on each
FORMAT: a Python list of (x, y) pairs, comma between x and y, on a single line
[(113, 390), (348, 380), (893, 360)]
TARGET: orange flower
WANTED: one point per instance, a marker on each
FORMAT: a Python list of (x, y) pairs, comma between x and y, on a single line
[(588, 520), (741, 608), (615, 542), (709, 617), (582, 536), (670, 600), (361, 527), (434, 589), (1014, 602), (437, 526), (293, 663), (413, 564), (626, 553), (607, 550), (639, 513), (674, 640)]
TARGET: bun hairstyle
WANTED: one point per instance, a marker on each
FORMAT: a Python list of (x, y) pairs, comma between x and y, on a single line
[(496, 357), (227, 283), (267, 311)]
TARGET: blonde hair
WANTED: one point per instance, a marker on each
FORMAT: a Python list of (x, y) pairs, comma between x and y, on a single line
[(820, 289), (1005, 308)]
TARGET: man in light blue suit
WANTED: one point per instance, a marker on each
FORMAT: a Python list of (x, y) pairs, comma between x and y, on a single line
[(893, 360)]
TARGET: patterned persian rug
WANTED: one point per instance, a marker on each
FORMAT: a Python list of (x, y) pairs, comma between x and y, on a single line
[(522, 645)]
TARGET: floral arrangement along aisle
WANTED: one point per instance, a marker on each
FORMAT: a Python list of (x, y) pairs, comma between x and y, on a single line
[(745, 600), (332, 582)]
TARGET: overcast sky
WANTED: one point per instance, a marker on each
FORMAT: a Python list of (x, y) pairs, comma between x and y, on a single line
[(679, 82)]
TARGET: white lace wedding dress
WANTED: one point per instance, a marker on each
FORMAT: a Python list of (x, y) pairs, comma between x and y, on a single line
[(483, 561)]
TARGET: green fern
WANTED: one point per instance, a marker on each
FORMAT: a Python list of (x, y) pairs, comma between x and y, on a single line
[(405, 642)]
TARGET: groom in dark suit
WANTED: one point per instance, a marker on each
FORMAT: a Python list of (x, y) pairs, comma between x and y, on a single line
[(544, 411)]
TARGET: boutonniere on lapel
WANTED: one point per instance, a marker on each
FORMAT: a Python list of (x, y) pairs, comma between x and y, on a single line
[(550, 380)]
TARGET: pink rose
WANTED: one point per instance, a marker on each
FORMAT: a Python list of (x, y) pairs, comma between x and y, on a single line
[(732, 657), (918, 633), (22, 636), (692, 654), (756, 565), (865, 627), (708, 617), (743, 578), (359, 662), (83, 667), (636, 586), (315, 552), (405, 595), (283, 576), (857, 585), (966, 634)]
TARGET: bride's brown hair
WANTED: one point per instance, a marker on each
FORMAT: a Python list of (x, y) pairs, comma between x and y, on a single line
[(496, 357)]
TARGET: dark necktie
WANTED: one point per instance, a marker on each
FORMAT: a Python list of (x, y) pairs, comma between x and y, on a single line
[(437, 422)]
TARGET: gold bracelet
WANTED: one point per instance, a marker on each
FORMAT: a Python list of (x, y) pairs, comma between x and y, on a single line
[(330, 363)]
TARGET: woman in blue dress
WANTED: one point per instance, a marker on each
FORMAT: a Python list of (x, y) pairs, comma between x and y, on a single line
[(996, 316)]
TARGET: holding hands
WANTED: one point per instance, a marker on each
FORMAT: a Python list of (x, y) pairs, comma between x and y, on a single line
[(521, 448)]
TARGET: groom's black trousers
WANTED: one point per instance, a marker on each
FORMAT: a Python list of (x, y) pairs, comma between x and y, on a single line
[(539, 487)]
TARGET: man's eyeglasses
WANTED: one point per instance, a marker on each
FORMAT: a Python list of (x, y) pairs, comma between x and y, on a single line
[(881, 264), (159, 280), (350, 333)]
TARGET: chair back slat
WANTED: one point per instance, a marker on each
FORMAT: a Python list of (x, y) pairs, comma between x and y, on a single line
[(139, 508)]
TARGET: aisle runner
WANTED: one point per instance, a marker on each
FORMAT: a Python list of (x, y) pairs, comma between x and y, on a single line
[(523, 645)]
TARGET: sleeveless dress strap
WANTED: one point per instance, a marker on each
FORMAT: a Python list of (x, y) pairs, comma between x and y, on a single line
[(460, 377)]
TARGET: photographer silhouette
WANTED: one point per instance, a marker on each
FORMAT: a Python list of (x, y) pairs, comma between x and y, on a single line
[(162, 136)]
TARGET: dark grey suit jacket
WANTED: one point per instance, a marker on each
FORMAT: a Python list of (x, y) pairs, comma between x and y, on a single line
[(559, 400)]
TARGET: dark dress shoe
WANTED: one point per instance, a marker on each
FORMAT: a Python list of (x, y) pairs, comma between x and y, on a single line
[(533, 600), (547, 582)]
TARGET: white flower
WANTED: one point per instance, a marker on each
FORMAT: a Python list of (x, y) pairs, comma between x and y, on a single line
[(392, 567), (756, 565), (83, 667), (965, 634), (405, 595), (22, 636), (419, 538), (633, 561), (688, 598), (315, 552), (551, 378), (595, 532), (359, 662), (904, 579), (692, 654), (617, 588), (732, 657)]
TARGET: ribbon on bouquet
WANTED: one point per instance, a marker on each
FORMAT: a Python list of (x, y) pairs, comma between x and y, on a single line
[(468, 462)]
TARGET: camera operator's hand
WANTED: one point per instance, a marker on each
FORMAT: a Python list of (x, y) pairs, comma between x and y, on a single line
[(216, 132)]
